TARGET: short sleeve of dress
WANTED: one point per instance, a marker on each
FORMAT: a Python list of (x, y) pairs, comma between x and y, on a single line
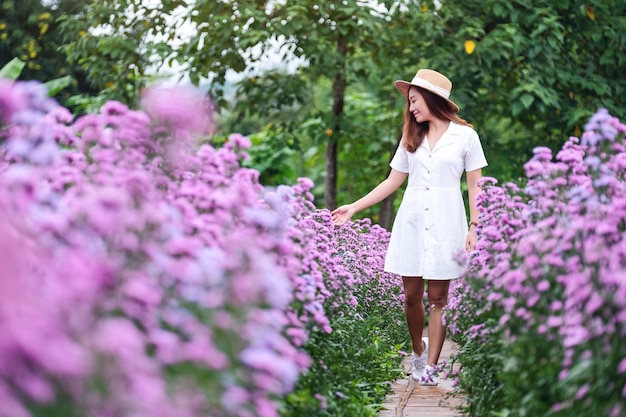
[(400, 161), (474, 155)]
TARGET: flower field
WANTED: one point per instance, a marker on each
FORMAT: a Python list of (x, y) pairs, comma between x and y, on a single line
[(145, 273), (541, 314)]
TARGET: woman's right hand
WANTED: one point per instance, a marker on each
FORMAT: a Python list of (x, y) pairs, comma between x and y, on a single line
[(342, 214)]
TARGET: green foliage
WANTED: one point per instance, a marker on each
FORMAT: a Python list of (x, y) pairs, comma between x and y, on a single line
[(371, 129), (285, 132), (24, 27), (481, 358), (29, 32), (62, 406), (351, 367), (86, 103), (526, 79), (58, 84), (539, 70), (291, 143), (340, 43), (12, 69), (117, 43), (343, 42), (273, 157)]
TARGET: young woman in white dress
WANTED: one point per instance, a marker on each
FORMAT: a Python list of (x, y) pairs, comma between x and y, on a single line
[(431, 227)]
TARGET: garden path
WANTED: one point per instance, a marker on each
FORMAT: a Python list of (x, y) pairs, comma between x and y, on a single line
[(409, 399)]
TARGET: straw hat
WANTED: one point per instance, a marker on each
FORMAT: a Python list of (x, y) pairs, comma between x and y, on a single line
[(431, 81)]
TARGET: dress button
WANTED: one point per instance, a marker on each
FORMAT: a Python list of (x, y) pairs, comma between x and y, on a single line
[(427, 208), (427, 188), (426, 228), (430, 156)]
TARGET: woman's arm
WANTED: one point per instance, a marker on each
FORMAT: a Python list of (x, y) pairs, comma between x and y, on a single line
[(472, 190), (383, 190)]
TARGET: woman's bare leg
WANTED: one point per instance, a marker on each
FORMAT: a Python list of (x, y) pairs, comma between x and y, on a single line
[(414, 310), (437, 300)]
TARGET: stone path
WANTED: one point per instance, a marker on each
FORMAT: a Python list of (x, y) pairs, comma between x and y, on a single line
[(409, 399)]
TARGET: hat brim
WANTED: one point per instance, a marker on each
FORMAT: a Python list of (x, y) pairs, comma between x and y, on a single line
[(404, 86)]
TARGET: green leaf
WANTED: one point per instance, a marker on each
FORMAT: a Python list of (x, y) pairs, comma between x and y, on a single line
[(527, 100), (13, 69), (58, 84)]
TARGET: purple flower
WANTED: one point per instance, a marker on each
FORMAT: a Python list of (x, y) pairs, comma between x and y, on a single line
[(542, 153)]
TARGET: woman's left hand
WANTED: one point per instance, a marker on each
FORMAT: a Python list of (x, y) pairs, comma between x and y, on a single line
[(470, 240)]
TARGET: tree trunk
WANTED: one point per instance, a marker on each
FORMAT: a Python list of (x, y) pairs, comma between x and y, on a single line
[(386, 212), (386, 206), (330, 180), (339, 89)]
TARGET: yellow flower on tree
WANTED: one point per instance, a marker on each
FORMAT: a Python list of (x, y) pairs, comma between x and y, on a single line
[(469, 45)]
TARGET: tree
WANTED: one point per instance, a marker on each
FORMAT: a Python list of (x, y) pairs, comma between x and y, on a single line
[(29, 31), (327, 37), (523, 72), (338, 41), (528, 73), (506, 60), (121, 43)]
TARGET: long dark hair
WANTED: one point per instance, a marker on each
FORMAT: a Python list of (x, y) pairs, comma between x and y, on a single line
[(413, 133)]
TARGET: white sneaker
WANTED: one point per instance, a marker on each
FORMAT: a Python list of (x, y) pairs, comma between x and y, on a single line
[(429, 377), (419, 362)]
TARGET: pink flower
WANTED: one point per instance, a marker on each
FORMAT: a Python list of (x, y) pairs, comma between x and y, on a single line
[(323, 401), (582, 391), (180, 108), (119, 337), (11, 101)]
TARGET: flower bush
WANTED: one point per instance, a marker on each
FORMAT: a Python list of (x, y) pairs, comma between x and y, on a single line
[(147, 274), (149, 277), (352, 365), (541, 314)]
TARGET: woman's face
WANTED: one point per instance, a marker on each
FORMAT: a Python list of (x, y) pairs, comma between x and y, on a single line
[(418, 107)]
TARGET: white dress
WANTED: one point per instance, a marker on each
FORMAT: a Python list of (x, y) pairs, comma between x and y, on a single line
[(431, 225)]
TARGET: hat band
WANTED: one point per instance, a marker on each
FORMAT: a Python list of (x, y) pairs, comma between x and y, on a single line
[(420, 82)]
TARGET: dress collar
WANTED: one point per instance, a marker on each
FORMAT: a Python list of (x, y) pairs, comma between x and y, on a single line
[(446, 139)]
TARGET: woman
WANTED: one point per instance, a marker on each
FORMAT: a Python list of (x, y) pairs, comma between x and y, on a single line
[(431, 225)]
